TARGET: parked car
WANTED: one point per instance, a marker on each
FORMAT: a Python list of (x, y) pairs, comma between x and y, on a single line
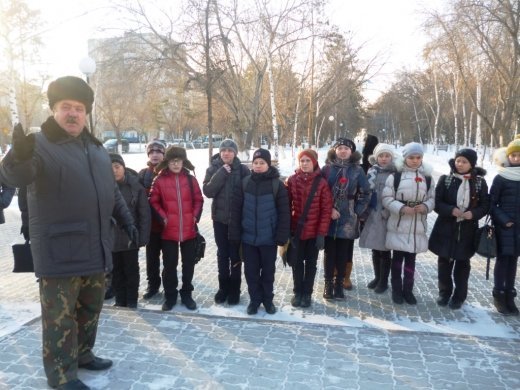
[(217, 139), (111, 145)]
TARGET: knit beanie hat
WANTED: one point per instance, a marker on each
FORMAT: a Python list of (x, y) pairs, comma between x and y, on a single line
[(116, 158), (383, 148), (470, 155), (263, 154), (346, 142), (412, 148), (311, 154), (513, 146), (155, 145), (228, 144), (70, 88)]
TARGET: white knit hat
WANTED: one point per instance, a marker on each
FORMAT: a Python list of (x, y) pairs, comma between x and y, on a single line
[(383, 148)]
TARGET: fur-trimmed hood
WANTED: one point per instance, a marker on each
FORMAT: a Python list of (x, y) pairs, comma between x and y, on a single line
[(500, 158), (425, 168), (355, 157), (476, 171)]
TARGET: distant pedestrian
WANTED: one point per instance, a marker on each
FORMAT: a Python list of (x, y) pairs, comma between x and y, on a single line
[(125, 275), (72, 197), (313, 228), (177, 198), (373, 235), (223, 180), (265, 224), (155, 151), (6, 196), (409, 195), (461, 199), (350, 193), (505, 212), (371, 142)]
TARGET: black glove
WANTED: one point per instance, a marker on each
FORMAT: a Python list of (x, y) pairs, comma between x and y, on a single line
[(23, 145), (133, 235), (25, 231), (320, 242)]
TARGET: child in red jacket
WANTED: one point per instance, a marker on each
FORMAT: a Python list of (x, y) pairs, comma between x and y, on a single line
[(177, 198)]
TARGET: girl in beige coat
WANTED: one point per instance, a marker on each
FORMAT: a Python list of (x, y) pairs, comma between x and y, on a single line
[(408, 203)]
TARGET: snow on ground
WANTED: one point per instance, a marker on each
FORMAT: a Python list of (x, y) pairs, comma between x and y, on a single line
[(13, 316)]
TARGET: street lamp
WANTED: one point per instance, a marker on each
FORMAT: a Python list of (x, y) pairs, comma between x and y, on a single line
[(87, 66)]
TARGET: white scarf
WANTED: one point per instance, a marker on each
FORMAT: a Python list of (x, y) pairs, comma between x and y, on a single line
[(463, 193), (510, 173)]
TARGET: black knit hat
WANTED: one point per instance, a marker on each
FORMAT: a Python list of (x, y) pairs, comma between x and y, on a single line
[(346, 142), (263, 154), (155, 145), (469, 154), (117, 158), (70, 88)]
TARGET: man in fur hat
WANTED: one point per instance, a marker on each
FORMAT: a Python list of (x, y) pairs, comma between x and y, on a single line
[(71, 196)]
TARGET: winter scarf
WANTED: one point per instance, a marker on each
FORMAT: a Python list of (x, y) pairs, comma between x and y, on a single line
[(375, 170), (463, 193), (510, 173)]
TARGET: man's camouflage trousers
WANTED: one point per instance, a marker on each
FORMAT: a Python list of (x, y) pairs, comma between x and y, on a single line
[(70, 314)]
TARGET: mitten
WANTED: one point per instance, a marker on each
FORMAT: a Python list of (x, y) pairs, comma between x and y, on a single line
[(25, 231), (133, 235), (23, 145)]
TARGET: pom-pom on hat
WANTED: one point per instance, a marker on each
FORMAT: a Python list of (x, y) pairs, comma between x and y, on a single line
[(412, 148), (468, 154), (514, 145), (263, 154), (346, 142), (383, 148), (117, 158), (311, 154), (228, 144), (70, 88), (156, 145)]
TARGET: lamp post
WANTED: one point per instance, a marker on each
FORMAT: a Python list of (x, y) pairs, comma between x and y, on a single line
[(87, 66)]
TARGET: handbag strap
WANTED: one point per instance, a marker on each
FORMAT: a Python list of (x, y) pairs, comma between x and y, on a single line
[(307, 206)]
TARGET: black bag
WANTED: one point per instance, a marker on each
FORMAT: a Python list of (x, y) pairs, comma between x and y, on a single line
[(200, 247), (23, 261), (289, 253), (486, 243)]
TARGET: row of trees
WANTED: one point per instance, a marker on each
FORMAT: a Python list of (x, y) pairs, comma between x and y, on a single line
[(469, 91), (279, 69)]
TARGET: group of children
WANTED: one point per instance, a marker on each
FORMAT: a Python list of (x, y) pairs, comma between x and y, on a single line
[(328, 208)]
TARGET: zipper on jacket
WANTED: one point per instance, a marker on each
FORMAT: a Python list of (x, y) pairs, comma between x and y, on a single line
[(179, 202)]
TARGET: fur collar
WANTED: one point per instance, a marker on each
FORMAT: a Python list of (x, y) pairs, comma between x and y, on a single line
[(355, 157), (55, 134), (500, 158), (477, 171)]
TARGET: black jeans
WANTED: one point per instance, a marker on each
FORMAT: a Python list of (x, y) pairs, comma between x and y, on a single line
[(259, 269), (505, 272), (304, 270), (171, 260), (228, 257), (338, 252), (400, 283), (125, 276), (153, 261), (460, 269)]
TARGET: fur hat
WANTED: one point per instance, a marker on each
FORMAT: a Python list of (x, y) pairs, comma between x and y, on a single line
[(263, 154), (172, 153), (468, 154), (70, 88), (117, 158), (155, 145), (311, 154), (412, 148), (228, 144), (513, 146), (346, 142)]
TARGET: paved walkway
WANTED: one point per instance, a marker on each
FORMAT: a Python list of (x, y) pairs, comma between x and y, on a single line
[(363, 342)]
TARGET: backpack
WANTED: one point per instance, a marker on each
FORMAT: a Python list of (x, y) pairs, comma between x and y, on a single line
[(276, 185), (397, 181)]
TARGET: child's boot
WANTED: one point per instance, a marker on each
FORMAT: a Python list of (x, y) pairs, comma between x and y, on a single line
[(376, 263), (347, 283)]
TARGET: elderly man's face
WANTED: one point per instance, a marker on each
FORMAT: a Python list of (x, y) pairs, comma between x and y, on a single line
[(71, 116)]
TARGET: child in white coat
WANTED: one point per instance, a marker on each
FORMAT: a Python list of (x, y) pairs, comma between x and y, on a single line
[(408, 202)]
